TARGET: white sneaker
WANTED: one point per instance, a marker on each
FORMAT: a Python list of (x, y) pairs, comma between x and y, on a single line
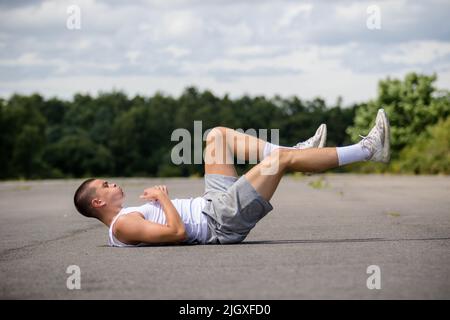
[(377, 142), (316, 141)]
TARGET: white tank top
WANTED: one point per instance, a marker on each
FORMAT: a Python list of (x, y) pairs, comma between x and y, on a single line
[(190, 211)]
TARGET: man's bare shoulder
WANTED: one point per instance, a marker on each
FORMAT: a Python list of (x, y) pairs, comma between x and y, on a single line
[(127, 221), (126, 225)]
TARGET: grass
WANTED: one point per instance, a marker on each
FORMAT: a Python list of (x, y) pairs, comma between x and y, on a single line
[(394, 214), (319, 183), (22, 188)]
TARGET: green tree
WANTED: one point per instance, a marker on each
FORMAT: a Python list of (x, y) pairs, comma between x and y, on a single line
[(22, 137), (429, 154), (78, 156), (411, 105), (111, 134)]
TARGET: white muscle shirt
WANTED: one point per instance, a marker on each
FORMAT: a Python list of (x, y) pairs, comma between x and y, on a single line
[(190, 211)]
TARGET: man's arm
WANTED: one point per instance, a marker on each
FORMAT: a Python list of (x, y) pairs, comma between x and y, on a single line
[(173, 219), (133, 228)]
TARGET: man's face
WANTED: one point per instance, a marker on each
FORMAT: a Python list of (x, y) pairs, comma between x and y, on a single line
[(107, 194)]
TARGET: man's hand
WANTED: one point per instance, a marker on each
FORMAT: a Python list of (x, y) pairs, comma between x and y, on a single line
[(155, 193)]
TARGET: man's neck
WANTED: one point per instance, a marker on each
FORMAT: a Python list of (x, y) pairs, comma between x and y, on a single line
[(108, 215)]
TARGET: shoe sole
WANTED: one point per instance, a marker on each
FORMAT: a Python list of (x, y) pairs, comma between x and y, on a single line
[(386, 152), (323, 137)]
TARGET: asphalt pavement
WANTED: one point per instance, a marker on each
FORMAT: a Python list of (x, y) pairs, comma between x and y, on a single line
[(318, 243)]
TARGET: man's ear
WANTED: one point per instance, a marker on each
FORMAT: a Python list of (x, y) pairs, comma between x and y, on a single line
[(97, 203)]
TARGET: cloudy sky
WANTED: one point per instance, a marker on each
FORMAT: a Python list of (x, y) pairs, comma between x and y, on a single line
[(286, 47)]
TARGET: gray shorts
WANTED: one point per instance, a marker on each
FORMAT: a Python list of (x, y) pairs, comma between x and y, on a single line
[(233, 208)]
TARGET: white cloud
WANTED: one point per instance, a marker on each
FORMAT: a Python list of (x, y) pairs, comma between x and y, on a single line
[(180, 24), (30, 59), (252, 50), (177, 52), (133, 56), (417, 52), (353, 11), (308, 48), (292, 11)]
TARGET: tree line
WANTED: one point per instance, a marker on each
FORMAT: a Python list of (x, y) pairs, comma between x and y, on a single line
[(112, 134)]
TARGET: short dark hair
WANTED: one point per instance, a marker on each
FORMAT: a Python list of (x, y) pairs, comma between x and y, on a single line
[(83, 197)]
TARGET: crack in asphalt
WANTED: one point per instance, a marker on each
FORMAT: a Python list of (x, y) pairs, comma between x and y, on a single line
[(5, 253)]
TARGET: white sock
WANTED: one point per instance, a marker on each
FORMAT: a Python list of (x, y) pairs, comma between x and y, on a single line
[(269, 147), (354, 153)]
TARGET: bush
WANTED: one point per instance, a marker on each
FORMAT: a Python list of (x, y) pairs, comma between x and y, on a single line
[(411, 105), (429, 154)]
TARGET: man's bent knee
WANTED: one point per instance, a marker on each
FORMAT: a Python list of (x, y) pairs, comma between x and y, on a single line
[(216, 151), (216, 133), (276, 161)]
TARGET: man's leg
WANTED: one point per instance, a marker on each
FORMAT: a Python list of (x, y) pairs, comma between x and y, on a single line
[(374, 147), (265, 180), (224, 144)]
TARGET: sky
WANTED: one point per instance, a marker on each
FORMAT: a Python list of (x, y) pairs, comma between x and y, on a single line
[(309, 49)]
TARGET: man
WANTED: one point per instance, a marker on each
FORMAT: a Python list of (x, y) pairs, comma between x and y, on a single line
[(231, 205)]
